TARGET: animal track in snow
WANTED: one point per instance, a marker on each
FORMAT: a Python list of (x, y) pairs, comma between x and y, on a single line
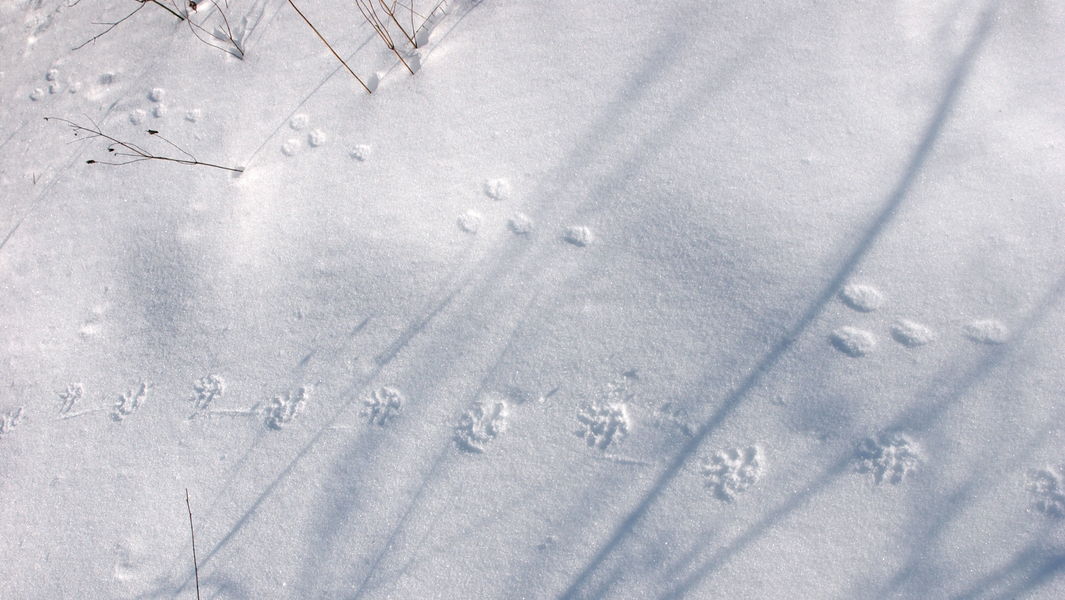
[(362, 152), (9, 420), (383, 405), (578, 235), (670, 414), (207, 389), (889, 457), (470, 222), (71, 397), (157, 94), (298, 122), (520, 224), (137, 116), (36, 94), (852, 341), (284, 408), (127, 404), (497, 189), (194, 115), (732, 471), (290, 147), (1048, 491), (911, 334), (987, 331), (601, 424), (159, 111), (480, 425), (316, 138), (862, 298)]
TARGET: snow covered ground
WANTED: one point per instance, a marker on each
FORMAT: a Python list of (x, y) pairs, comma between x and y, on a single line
[(689, 299)]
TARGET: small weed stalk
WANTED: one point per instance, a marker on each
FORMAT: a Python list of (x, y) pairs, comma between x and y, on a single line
[(127, 153), (315, 30), (195, 565), (198, 29), (366, 7), (184, 15)]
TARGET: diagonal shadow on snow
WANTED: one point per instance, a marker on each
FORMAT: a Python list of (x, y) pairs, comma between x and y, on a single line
[(883, 218)]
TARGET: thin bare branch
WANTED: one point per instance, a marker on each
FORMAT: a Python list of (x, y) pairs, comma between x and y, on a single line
[(132, 151), (315, 29), (112, 26)]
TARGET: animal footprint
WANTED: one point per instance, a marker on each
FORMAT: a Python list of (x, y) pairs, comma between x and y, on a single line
[(207, 389), (497, 189), (71, 397), (911, 334), (362, 152), (470, 222), (290, 147), (889, 457), (316, 138), (283, 409), (383, 405), (298, 122), (1048, 492), (989, 331), (127, 404), (600, 425), (9, 420), (480, 425), (862, 298), (578, 235), (852, 341), (732, 471), (520, 224)]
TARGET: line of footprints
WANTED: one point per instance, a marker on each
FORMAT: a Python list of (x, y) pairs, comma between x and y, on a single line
[(856, 342), (887, 457), (469, 222)]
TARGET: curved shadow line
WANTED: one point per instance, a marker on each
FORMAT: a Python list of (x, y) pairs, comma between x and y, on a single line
[(880, 222)]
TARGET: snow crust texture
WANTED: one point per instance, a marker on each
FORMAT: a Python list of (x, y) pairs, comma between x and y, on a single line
[(480, 425), (733, 471), (888, 457)]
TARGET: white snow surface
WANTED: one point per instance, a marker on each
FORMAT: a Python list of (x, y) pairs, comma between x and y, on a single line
[(729, 168)]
